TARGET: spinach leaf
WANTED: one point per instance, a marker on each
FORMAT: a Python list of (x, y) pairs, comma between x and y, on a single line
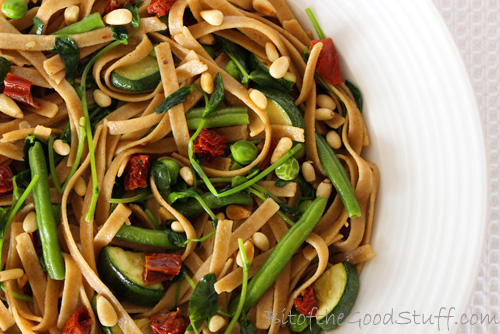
[(237, 54), (136, 19), (70, 55), (38, 25), (174, 196), (178, 239), (246, 326), (356, 92), (4, 69), (265, 79), (204, 300), (177, 97), (3, 222), (120, 33), (217, 96)]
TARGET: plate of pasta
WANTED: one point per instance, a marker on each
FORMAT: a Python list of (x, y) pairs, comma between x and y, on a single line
[(172, 166)]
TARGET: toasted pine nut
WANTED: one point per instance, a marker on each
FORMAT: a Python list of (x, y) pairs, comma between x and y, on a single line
[(249, 249), (271, 52), (261, 241), (11, 274), (102, 99), (9, 107), (284, 145), (119, 16), (308, 171), (30, 223), (80, 187), (325, 101), (264, 7), (321, 128), (71, 14), (42, 132), (208, 39), (207, 83), (30, 45), (61, 147), (237, 212), (24, 125), (213, 17), (177, 227), (216, 323), (106, 312), (187, 175), (220, 216), (333, 139), (324, 189), (258, 98), (279, 67), (323, 114), (165, 214)]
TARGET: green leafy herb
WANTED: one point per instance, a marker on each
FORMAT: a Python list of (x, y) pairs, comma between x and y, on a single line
[(217, 96), (4, 69), (238, 55), (38, 25), (204, 299), (178, 239), (177, 97), (120, 33), (70, 55), (136, 19), (89, 23), (356, 93), (246, 326)]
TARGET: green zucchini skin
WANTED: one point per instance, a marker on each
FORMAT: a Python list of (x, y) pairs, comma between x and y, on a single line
[(287, 103), (121, 285), (140, 77)]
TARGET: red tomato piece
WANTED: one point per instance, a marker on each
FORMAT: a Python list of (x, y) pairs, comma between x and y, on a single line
[(137, 172), (115, 4), (79, 322), (159, 267), (210, 144), (328, 66), (5, 178), (306, 302), (168, 323), (160, 7), (19, 89)]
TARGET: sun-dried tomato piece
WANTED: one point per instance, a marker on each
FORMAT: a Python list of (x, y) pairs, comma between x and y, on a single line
[(306, 302), (160, 7), (267, 159), (19, 89), (210, 144), (5, 178), (79, 322), (328, 66), (159, 267), (137, 172), (168, 323), (115, 4)]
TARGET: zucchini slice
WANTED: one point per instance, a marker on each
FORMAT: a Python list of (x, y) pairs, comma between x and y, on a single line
[(276, 113), (122, 271), (139, 77), (336, 291)]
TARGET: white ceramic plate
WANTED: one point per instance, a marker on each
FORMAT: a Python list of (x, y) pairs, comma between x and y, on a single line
[(427, 139)]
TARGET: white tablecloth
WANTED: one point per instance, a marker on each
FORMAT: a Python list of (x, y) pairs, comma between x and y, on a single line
[(475, 25)]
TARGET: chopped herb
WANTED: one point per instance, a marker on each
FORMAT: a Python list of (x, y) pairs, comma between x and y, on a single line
[(70, 55), (38, 25)]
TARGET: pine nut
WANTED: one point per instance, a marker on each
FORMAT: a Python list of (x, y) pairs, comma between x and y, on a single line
[(325, 101), (207, 83), (264, 7), (324, 189), (237, 212), (61, 147), (261, 241), (321, 128), (71, 14), (42, 132), (323, 114), (284, 145), (11, 274), (271, 52), (333, 139), (106, 312), (102, 99), (165, 214), (213, 17), (9, 107), (187, 175), (177, 227), (24, 125), (208, 39), (216, 323), (308, 172), (117, 17), (279, 67), (220, 216), (250, 250), (258, 98), (29, 223), (80, 187)]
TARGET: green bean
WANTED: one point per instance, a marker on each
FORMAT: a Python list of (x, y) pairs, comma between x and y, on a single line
[(282, 254), (244, 152), (89, 23), (15, 9), (225, 116), (47, 225), (166, 239), (337, 174)]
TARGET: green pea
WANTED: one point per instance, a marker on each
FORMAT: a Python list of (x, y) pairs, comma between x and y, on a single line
[(289, 170), (232, 70), (15, 9), (301, 153), (210, 50), (244, 152)]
